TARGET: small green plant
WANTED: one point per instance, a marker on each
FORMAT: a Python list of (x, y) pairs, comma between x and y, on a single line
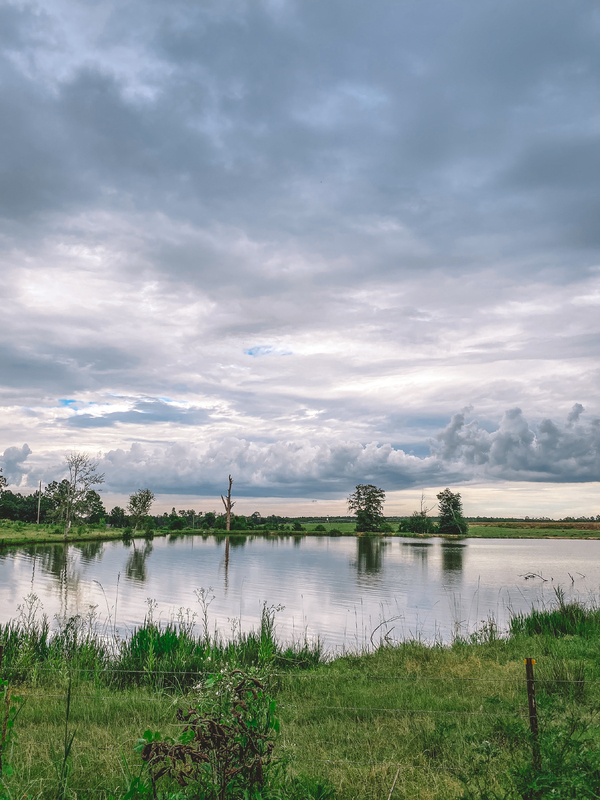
[(321, 528), (11, 708), (226, 746), (62, 761)]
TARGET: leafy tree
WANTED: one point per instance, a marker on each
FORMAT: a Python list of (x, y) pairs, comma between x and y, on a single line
[(118, 517), (139, 506), (94, 507), (3, 482), (418, 522), (69, 496), (221, 522), (450, 518), (23, 508), (366, 501), (209, 520)]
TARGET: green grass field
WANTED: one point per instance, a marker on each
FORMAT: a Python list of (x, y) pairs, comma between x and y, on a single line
[(431, 722), (15, 533)]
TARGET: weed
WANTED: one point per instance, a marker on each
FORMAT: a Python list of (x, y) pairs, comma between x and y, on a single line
[(225, 750)]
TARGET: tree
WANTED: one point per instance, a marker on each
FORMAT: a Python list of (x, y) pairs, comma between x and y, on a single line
[(118, 517), (139, 506), (3, 482), (209, 520), (366, 501), (450, 519), (418, 522), (83, 475), (95, 511), (69, 498), (228, 505)]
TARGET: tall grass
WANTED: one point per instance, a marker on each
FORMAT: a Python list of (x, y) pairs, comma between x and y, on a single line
[(432, 721), (162, 656), (562, 619)]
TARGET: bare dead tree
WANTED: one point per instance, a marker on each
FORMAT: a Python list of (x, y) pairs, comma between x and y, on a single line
[(83, 475), (228, 504)]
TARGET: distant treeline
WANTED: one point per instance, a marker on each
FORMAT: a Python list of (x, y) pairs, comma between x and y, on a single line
[(24, 508)]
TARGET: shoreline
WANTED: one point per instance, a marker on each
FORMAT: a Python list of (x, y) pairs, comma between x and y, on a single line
[(22, 538)]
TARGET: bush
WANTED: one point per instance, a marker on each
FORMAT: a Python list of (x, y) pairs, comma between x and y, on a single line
[(321, 528), (417, 523)]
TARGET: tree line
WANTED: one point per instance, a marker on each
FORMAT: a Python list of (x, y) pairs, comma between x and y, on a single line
[(366, 503), (75, 500)]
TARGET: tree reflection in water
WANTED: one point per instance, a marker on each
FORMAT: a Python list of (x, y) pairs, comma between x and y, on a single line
[(452, 556), (419, 551), (136, 568), (369, 552), (89, 550)]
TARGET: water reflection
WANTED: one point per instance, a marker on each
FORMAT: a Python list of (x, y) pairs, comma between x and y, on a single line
[(336, 588), (419, 551), (369, 555), (136, 567), (452, 557), (89, 550)]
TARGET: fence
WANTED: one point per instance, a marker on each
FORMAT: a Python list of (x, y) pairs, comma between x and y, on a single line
[(524, 707)]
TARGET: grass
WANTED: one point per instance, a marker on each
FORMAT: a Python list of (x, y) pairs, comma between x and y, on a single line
[(18, 533), (443, 722)]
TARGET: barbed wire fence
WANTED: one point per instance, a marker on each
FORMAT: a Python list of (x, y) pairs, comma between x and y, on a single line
[(526, 711)]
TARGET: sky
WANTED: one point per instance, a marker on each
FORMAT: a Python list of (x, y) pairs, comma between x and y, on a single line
[(310, 243)]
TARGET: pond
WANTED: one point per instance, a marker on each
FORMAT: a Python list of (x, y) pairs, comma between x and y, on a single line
[(349, 591)]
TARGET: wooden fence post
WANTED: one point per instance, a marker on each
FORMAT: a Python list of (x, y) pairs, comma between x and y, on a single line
[(533, 720)]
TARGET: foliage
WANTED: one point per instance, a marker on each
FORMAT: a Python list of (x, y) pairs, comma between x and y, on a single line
[(417, 523), (565, 619), (139, 506), (450, 515), (469, 738), (3, 482), (10, 707), (24, 508), (367, 503), (70, 497), (226, 746), (94, 507), (118, 517)]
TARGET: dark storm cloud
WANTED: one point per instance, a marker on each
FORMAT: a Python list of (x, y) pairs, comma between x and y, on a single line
[(400, 196), (325, 111), (518, 451), (462, 451)]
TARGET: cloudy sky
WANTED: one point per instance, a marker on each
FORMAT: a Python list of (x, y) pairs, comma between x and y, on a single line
[(312, 243)]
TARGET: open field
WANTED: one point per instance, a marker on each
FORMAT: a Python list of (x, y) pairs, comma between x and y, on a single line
[(442, 722), (17, 533)]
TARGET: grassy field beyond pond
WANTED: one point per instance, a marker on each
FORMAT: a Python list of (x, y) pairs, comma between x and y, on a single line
[(18, 533)]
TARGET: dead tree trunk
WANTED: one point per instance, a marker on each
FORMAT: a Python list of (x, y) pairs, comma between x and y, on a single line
[(228, 504)]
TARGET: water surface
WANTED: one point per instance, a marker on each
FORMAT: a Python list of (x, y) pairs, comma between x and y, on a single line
[(339, 589)]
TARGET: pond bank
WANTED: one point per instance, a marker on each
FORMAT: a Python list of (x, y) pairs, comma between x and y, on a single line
[(435, 722), (11, 535)]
